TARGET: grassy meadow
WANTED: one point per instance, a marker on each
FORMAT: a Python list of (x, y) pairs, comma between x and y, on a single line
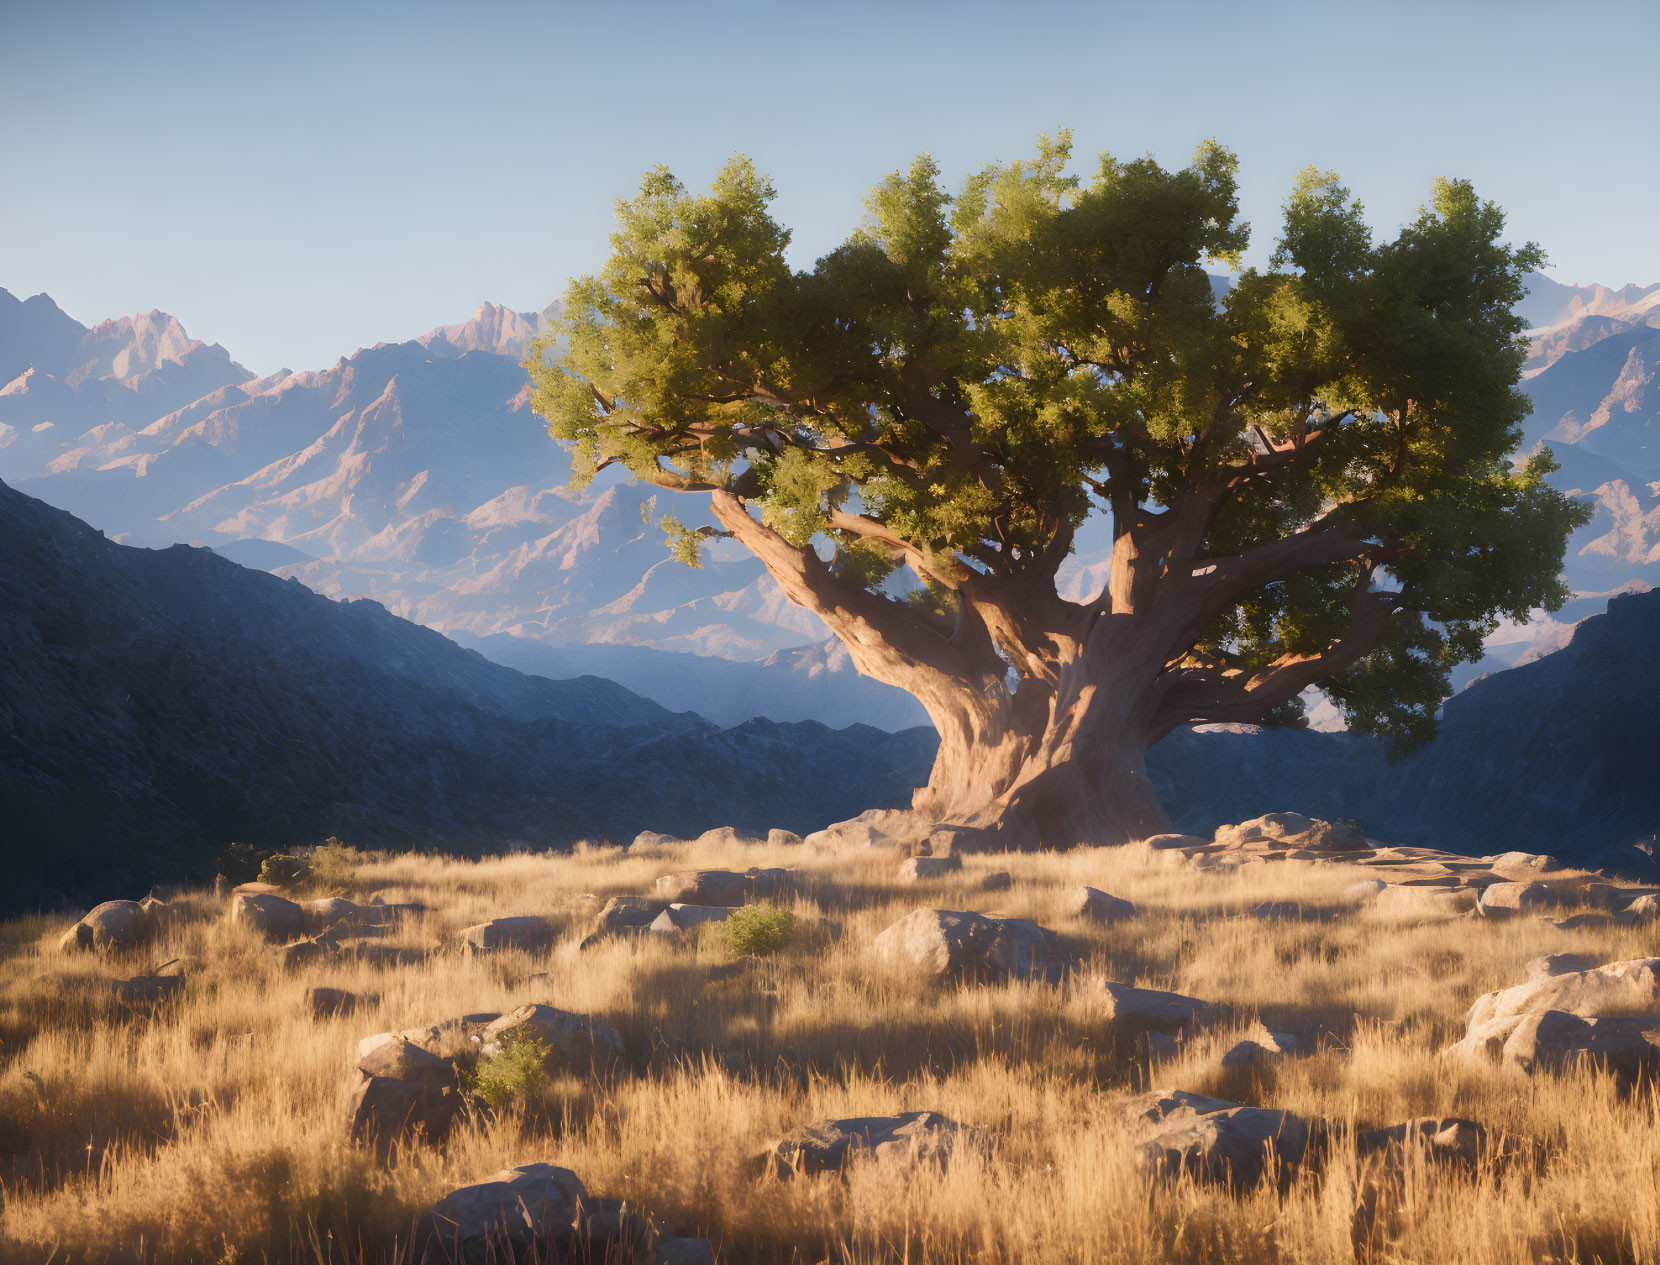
[(214, 1128)]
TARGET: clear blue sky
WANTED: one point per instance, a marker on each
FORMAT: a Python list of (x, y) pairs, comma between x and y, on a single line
[(296, 181)]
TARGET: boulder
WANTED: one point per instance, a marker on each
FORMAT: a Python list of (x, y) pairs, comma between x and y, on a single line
[(1402, 901), (1631, 987), (1293, 830), (1168, 842), (157, 913), (677, 918), (719, 887), (382, 1110), (573, 1041), (393, 1056), (148, 989), (1134, 1012), (1521, 865), (114, 925), (269, 916), (651, 841), (1216, 1141), (851, 834), (1359, 892), (326, 1003), (520, 931), (943, 943), (1644, 908), (918, 868), (724, 837), (1515, 896), (1000, 881), (826, 1147), (1558, 964), (541, 1212), (1096, 905), (1259, 1049), (1445, 1139), (1628, 1048), (782, 838), (622, 913)]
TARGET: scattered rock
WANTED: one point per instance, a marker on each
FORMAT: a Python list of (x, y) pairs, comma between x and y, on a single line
[(1581, 922), (1628, 1048), (724, 837), (1262, 1047), (1165, 843), (1445, 1139), (944, 943), (826, 1147), (1643, 908), (383, 1110), (677, 918), (1293, 830), (622, 913), (1135, 1011), (1399, 900), (521, 931), (720, 887), (394, 1056), (148, 989), (269, 916), (918, 868), (114, 925), (326, 1003), (1000, 881), (542, 1212), (1521, 865), (1513, 897), (1364, 890), (573, 1041), (1096, 905), (650, 841), (1216, 1141)]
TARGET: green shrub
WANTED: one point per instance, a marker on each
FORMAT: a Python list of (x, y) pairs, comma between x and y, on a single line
[(756, 930), (239, 863), (283, 870), (515, 1073), (334, 864)]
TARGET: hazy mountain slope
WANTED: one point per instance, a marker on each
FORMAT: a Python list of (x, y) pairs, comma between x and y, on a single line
[(156, 704), (1558, 755)]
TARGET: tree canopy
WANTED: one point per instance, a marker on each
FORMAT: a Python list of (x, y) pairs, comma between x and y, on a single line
[(1311, 473)]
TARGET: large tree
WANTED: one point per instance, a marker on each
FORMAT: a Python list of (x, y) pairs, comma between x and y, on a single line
[(1307, 481)]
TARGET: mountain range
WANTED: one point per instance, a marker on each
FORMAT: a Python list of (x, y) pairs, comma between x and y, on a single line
[(415, 473), (157, 704)]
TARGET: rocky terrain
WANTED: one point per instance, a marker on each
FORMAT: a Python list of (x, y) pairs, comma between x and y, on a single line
[(157, 704), (1285, 1041)]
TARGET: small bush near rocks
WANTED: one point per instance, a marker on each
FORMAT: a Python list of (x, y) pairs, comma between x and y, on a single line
[(239, 863), (284, 871), (334, 865), (515, 1073), (757, 930)]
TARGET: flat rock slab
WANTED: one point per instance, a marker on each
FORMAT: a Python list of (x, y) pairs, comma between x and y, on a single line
[(826, 1147), (1215, 1141), (720, 887), (1136, 1011), (520, 931)]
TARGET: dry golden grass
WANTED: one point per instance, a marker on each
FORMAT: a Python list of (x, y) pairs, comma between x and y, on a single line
[(214, 1129)]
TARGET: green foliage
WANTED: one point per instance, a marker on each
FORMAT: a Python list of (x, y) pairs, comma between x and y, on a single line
[(967, 378), (517, 1072), (334, 865), (757, 930), (240, 863), (283, 870)]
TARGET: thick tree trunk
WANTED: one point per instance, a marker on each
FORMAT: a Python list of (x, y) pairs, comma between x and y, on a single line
[(1068, 768)]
